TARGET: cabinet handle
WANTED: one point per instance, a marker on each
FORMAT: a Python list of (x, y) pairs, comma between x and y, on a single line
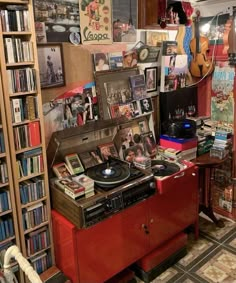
[(194, 174), (145, 228), (180, 175), (151, 220)]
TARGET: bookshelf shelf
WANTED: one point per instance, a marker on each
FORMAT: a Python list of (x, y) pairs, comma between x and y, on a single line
[(22, 123), (19, 64), (22, 93)]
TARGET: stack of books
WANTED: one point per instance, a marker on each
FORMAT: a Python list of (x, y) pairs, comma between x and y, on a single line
[(222, 144), (87, 183)]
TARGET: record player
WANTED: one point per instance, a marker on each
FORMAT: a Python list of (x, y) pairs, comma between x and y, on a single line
[(118, 185)]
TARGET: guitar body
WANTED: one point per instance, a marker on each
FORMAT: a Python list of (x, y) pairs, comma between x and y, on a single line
[(200, 64)]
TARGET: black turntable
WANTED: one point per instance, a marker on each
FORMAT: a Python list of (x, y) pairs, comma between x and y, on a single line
[(113, 173), (163, 168)]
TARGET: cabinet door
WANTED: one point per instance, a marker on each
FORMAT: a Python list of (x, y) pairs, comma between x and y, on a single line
[(111, 245), (175, 209)]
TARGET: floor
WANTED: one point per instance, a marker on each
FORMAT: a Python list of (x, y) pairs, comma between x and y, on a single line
[(210, 259)]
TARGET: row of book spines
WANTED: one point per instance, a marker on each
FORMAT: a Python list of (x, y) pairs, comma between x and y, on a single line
[(27, 135), (30, 165), (2, 143), (33, 216), (38, 241), (3, 173), (6, 228), (17, 51), (21, 80), (24, 109), (41, 262), (32, 190), (18, 20), (5, 201)]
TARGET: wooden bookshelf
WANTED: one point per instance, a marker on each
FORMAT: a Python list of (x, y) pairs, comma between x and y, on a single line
[(25, 158)]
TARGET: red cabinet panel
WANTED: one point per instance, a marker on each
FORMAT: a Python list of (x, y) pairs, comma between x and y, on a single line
[(110, 246)]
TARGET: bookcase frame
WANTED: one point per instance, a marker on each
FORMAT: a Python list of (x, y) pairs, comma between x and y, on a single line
[(8, 125)]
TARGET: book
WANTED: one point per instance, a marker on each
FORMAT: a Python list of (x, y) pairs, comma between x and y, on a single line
[(34, 133), (61, 170), (74, 164)]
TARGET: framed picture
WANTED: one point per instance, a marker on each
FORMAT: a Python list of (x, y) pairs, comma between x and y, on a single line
[(51, 66), (151, 75), (105, 80), (146, 105), (61, 17)]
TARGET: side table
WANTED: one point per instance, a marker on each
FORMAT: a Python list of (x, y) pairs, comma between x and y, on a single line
[(206, 165)]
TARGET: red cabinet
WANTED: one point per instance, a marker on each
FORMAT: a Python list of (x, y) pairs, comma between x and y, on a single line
[(97, 253)]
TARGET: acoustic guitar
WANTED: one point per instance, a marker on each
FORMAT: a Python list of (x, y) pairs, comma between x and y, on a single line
[(200, 65), (232, 42)]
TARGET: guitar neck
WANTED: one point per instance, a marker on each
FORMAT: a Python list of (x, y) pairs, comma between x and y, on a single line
[(197, 37)]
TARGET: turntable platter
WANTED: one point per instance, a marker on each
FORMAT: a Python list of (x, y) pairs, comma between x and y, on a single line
[(109, 175), (163, 168)]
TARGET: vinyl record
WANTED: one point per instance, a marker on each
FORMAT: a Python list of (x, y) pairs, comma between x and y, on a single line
[(163, 168), (109, 175)]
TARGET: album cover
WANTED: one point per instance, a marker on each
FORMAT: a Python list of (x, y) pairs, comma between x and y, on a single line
[(74, 164), (169, 47), (146, 105), (115, 60), (133, 152), (61, 170), (114, 111), (87, 159), (96, 156), (101, 62), (149, 143), (126, 111), (108, 149)]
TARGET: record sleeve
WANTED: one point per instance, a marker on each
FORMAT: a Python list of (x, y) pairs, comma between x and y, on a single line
[(108, 150)]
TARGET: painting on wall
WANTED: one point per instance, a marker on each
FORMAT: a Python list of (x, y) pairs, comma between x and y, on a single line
[(61, 18)]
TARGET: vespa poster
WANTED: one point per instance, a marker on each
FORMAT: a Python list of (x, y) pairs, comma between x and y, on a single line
[(95, 21)]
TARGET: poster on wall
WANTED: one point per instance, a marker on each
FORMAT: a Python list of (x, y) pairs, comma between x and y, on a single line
[(61, 17), (222, 99), (95, 21)]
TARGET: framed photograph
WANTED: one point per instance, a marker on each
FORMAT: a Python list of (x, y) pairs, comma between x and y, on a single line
[(51, 66), (104, 80), (61, 18), (151, 75), (146, 105)]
